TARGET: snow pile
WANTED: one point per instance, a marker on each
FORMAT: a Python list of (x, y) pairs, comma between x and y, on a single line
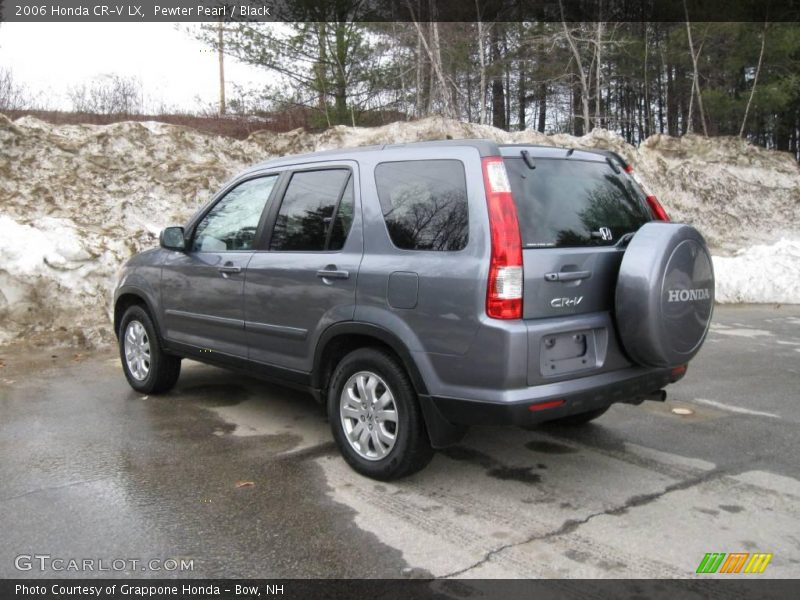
[(759, 272), (77, 200), (45, 269)]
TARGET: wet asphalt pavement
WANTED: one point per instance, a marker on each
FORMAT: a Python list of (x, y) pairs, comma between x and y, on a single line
[(242, 478)]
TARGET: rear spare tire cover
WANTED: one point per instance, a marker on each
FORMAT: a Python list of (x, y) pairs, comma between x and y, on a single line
[(665, 294)]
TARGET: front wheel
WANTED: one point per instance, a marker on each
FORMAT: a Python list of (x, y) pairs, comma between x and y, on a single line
[(375, 416), (147, 367)]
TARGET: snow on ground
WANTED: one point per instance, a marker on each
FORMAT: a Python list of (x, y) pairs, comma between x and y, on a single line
[(761, 273), (77, 200)]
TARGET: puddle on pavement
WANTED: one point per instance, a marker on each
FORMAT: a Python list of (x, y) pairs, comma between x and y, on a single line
[(546, 447), (273, 415), (212, 395)]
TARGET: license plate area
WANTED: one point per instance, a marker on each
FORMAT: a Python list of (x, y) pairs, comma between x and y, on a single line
[(567, 352)]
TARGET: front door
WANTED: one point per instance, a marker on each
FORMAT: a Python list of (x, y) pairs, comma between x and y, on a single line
[(202, 287), (305, 280)]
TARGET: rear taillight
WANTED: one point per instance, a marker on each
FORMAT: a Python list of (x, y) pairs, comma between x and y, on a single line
[(504, 291), (655, 206), (658, 210)]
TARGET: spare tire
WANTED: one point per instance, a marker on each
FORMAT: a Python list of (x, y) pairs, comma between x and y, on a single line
[(665, 294)]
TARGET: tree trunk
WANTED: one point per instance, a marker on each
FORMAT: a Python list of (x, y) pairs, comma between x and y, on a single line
[(695, 74), (498, 97), (584, 91), (507, 79), (598, 73), (420, 77), (542, 107), (577, 102), (522, 96), (482, 62), (646, 91), (340, 79), (221, 50), (320, 74), (755, 81)]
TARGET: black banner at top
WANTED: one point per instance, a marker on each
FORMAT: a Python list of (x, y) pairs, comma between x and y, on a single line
[(398, 10)]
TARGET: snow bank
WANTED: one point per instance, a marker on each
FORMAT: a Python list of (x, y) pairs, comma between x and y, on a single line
[(761, 273), (77, 200)]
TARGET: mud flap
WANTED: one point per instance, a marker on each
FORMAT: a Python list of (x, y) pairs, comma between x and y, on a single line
[(441, 432)]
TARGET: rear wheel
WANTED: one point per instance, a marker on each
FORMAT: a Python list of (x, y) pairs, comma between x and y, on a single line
[(147, 367), (375, 416)]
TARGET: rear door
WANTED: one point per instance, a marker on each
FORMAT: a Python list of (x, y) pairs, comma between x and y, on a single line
[(304, 278), (573, 214)]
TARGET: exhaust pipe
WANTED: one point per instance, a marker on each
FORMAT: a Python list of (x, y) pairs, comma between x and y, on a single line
[(655, 396)]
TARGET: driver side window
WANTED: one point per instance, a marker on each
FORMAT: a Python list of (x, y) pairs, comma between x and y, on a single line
[(232, 223)]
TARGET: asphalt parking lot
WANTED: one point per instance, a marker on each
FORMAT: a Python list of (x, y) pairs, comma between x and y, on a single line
[(241, 477)]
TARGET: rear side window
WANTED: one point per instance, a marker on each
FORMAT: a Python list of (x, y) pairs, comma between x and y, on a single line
[(308, 219), (424, 203), (566, 202)]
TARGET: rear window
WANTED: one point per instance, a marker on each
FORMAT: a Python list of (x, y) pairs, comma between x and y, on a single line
[(424, 203), (573, 203)]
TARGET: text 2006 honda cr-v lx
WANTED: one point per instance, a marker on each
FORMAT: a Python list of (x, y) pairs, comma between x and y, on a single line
[(421, 288)]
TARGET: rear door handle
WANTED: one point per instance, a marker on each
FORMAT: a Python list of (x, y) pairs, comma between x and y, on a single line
[(567, 276), (225, 269), (332, 273)]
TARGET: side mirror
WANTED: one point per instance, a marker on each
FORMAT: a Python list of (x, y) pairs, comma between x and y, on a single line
[(172, 238)]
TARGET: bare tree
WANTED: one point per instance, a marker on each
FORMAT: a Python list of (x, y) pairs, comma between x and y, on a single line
[(12, 95), (598, 70), (109, 94), (696, 76), (583, 79), (435, 57), (221, 53), (755, 80), (482, 60)]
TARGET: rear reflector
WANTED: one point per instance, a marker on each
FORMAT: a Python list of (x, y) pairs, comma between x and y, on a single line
[(547, 404), (679, 370), (504, 288)]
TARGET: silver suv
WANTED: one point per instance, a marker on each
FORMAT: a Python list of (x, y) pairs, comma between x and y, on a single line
[(421, 288)]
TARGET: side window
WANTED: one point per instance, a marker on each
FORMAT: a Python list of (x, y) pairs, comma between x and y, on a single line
[(232, 223), (308, 219), (424, 203), (343, 219)]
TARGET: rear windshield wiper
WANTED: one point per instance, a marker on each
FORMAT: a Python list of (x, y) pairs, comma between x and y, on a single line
[(528, 159), (613, 165)]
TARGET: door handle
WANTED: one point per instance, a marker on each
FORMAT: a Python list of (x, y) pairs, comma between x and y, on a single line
[(332, 272), (226, 269), (567, 276)]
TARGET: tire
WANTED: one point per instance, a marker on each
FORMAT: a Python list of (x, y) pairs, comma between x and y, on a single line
[(665, 295), (151, 370), (369, 374), (579, 419)]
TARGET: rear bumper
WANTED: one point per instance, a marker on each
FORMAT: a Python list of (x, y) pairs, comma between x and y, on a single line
[(579, 395)]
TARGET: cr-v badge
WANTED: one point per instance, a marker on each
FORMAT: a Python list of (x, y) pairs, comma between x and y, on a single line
[(565, 302)]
